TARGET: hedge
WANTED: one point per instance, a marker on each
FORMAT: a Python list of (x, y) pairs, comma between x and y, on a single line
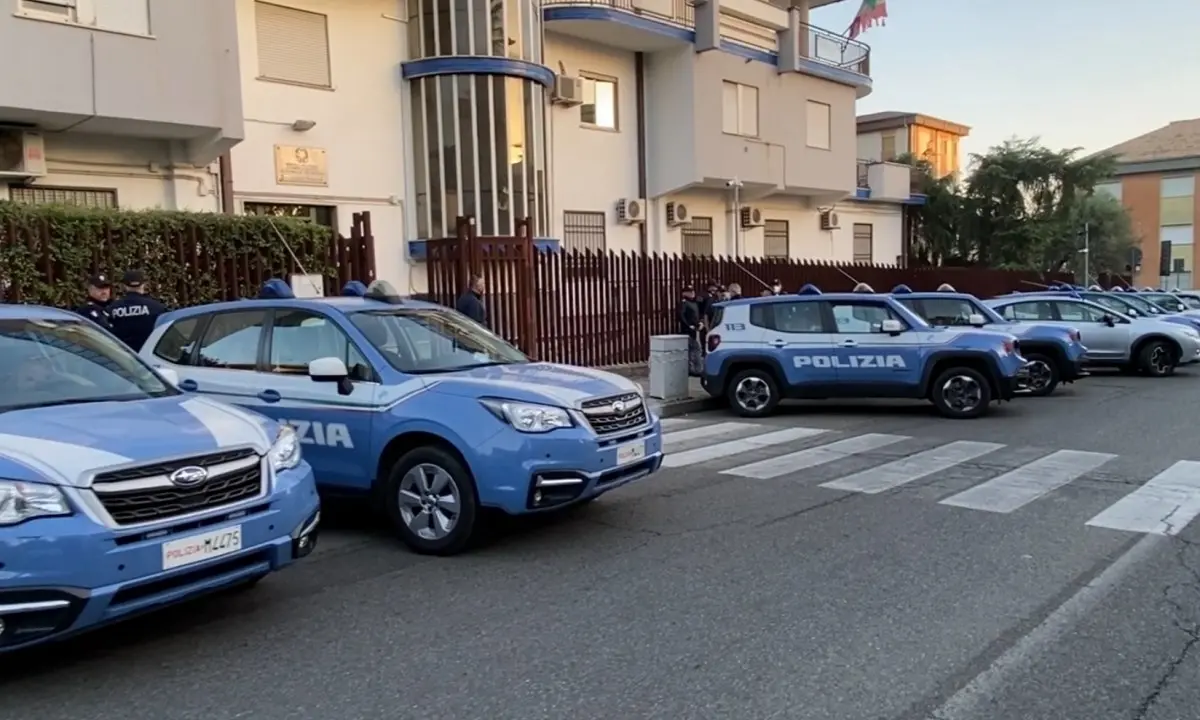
[(48, 252)]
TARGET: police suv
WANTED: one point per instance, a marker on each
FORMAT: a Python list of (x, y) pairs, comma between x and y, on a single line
[(853, 345), (415, 405), (1055, 354), (119, 493)]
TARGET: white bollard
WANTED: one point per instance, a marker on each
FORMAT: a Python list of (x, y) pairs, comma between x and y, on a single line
[(669, 367)]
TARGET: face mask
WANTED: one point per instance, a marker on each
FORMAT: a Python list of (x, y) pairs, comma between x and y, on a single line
[(777, 288)]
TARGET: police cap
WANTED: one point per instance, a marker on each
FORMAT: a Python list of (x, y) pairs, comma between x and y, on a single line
[(99, 280), (133, 278)]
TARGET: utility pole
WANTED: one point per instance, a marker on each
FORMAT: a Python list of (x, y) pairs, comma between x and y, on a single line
[(1087, 254)]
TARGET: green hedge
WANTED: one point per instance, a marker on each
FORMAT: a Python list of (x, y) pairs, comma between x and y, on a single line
[(48, 252)]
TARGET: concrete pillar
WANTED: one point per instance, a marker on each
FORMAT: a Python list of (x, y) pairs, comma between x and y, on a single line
[(708, 24), (668, 367), (800, 7)]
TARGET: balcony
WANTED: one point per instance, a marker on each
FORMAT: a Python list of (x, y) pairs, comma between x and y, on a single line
[(636, 25), (887, 182)]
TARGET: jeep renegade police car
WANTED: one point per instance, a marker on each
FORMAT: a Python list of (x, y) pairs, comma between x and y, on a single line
[(430, 414), (853, 345)]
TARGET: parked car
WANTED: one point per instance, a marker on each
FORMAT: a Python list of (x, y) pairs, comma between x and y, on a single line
[(416, 407), (121, 494)]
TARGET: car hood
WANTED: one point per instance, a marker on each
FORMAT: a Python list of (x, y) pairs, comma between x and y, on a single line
[(65, 444), (560, 385)]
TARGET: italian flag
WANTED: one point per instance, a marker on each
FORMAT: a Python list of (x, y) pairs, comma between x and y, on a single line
[(872, 13)]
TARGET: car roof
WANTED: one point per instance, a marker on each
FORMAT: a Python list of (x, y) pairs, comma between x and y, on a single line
[(34, 312), (933, 295), (343, 305), (793, 297)]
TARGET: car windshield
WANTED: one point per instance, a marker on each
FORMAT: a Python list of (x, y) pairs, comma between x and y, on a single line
[(1114, 303), (1143, 306), (431, 341), (65, 362), (1193, 303), (1166, 301)]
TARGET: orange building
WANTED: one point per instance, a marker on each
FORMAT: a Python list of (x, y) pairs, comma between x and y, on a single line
[(885, 136), (1156, 181)]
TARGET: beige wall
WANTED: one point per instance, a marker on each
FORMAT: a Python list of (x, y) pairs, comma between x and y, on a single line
[(939, 147)]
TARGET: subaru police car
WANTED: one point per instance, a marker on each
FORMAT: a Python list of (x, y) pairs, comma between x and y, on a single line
[(1055, 354), (119, 493), (415, 406), (853, 345)]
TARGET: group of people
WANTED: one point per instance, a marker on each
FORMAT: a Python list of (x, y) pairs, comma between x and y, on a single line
[(130, 317), (695, 316)]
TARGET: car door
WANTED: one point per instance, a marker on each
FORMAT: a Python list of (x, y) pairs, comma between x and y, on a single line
[(224, 362), (796, 332), (1103, 342), (868, 360), (334, 429)]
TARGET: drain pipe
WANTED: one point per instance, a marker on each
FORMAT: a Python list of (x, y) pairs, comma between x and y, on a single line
[(225, 168), (639, 65)]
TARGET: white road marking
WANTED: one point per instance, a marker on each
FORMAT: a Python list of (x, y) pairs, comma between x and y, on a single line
[(1163, 506), (707, 431), (812, 457), (1015, 489), (905, 470), (673, 423), (737, 447)]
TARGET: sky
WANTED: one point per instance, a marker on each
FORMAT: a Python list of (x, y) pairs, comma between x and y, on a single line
[(1075, 73)]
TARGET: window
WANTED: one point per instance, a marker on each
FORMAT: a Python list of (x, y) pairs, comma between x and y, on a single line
[(696, 237), (298, 337), (948, 312), (889, 147), (817, 127), (1178, 187), (585, 231), (1112, 189), (1039, 310), (864, 242), (77, 197), (176, 344), (293, 45), (126, 16), (599, 108), (320, 214), (1078, 312), (861, 317), (775, 239), (789, 317), (739, 105), (231, 340), (430, 341)]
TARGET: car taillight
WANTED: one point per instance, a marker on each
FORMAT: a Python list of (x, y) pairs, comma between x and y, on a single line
[(713, 341)]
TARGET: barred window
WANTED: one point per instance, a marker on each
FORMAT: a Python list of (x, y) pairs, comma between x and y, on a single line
[(775, 239), (697, 237), (864, 242), (78, 197), (584, 231)]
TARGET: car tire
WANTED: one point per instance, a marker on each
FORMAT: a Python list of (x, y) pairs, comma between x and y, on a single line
[(1048, 370), (1157, 359), (958, 384), (420, 496), (753, 393)]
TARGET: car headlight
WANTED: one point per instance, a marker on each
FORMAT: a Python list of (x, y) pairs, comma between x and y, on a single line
[(529, 417), (21, 501), (285, 453)]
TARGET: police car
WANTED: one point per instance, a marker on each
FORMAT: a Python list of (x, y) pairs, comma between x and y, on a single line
[(853, 345), (416, 406), (1055, 354), (119, 493)]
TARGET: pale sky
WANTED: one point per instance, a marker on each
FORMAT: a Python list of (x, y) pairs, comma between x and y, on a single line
[(1087, 73)]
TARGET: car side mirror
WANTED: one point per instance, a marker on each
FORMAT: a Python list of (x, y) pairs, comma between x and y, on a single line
[(333, 370), (976, 320), (169, 375), (1109, 320), (892, 327)]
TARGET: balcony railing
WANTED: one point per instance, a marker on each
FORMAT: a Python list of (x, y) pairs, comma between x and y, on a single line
[(825, 46), (682, 11)]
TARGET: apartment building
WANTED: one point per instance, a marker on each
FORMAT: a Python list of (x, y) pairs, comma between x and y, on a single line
[(720, 127), (885, 136), (1156, 181)]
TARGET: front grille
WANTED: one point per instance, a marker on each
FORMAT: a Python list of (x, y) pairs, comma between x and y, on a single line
[(170, 466), (605, 420), (163, 501)]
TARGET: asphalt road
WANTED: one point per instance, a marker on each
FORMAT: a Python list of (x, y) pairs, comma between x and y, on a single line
[(729, 586)]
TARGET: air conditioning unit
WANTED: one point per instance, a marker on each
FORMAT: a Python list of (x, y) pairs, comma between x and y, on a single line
[(752, 217), (631, 210), (677, 214), (829, 220), (22, 154), (568, 91)]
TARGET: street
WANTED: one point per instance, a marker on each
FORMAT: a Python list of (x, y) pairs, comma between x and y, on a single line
[(841, 582)]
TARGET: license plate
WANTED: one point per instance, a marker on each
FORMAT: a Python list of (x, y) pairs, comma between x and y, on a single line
[(199, 548), (631, 453)]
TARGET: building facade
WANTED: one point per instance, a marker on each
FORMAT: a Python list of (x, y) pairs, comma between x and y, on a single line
[(885, 136), (720, 127), (1156, 181)]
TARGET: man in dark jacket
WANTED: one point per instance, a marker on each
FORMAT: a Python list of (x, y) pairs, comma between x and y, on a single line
[(99, 296), (471, 302), (690, 322), (134, 314)]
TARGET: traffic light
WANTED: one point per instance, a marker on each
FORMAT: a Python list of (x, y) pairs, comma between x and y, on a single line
[(1135, 260), (1164, 259)]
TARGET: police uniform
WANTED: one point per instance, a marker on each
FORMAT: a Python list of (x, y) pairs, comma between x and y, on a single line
[(93, 309), (134, 314)]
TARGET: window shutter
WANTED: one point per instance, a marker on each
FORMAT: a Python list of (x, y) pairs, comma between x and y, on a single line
[(293, 45)]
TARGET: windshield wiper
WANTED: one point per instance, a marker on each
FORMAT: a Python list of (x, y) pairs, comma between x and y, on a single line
[(71, 401), (459, 368)]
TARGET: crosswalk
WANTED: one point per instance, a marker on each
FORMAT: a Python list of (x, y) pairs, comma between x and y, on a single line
[(1163, 505)]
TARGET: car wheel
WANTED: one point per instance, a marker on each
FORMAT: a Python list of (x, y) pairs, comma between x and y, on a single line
[(431, 502), (753, 393), (961, 393), (1043, 375), (1157, 359)]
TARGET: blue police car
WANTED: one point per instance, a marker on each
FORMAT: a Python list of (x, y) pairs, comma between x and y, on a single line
[(1055, 354), (119, 493), (416, 406), (853, 345)]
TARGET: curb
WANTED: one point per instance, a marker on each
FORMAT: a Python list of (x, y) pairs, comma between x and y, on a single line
[(686, 407)]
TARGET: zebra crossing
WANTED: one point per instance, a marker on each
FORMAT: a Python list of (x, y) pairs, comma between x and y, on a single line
[(1163, 505)]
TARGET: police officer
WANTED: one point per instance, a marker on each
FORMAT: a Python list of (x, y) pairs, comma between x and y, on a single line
[(133, 315), (99, 298)]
